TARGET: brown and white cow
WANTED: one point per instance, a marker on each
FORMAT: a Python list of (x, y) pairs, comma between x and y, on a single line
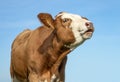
[(40, 55)]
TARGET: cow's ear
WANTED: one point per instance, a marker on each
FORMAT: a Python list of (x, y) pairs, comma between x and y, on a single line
[(46, 19)]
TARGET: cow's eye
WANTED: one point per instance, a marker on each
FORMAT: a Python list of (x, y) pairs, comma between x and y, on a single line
[(65, 20)]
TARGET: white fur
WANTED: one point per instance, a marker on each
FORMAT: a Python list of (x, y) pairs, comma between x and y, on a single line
[(58, 80), (45, 81), (78, 27), (53, 78)]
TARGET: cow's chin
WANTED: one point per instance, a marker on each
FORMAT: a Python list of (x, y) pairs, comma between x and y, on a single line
[(80, 40), (87, 35)]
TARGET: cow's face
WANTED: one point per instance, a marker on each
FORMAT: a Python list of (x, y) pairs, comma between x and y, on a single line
[(72, 29), (81, 27)]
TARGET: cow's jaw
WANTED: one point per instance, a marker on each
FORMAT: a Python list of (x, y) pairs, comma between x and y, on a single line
[(79, 28)]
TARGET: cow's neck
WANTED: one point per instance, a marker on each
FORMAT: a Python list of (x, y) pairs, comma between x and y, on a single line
[(52, 47)]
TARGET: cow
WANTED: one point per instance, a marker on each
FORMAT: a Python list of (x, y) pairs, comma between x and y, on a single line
[(40, 55)]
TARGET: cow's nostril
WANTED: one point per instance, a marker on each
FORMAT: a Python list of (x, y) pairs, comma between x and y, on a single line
[(88, 24)]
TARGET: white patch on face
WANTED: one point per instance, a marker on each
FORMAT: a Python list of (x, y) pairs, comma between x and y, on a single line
[(78, 28)]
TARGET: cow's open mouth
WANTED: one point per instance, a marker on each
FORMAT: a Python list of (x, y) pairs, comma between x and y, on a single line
[(88, 33)]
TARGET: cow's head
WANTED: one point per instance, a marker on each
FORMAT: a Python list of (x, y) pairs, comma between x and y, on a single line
[(71, 29)]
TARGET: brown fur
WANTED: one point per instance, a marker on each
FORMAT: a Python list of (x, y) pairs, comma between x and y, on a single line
[(38, 54)]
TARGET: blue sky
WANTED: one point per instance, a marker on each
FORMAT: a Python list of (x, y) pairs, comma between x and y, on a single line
[(97, 60)]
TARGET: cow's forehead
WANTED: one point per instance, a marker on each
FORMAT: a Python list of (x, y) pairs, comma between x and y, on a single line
[(69, 15)]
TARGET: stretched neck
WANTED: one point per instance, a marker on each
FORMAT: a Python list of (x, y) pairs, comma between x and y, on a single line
[(52, 47)]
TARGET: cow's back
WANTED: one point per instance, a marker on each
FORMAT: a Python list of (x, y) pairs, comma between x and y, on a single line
[(21, 38)]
